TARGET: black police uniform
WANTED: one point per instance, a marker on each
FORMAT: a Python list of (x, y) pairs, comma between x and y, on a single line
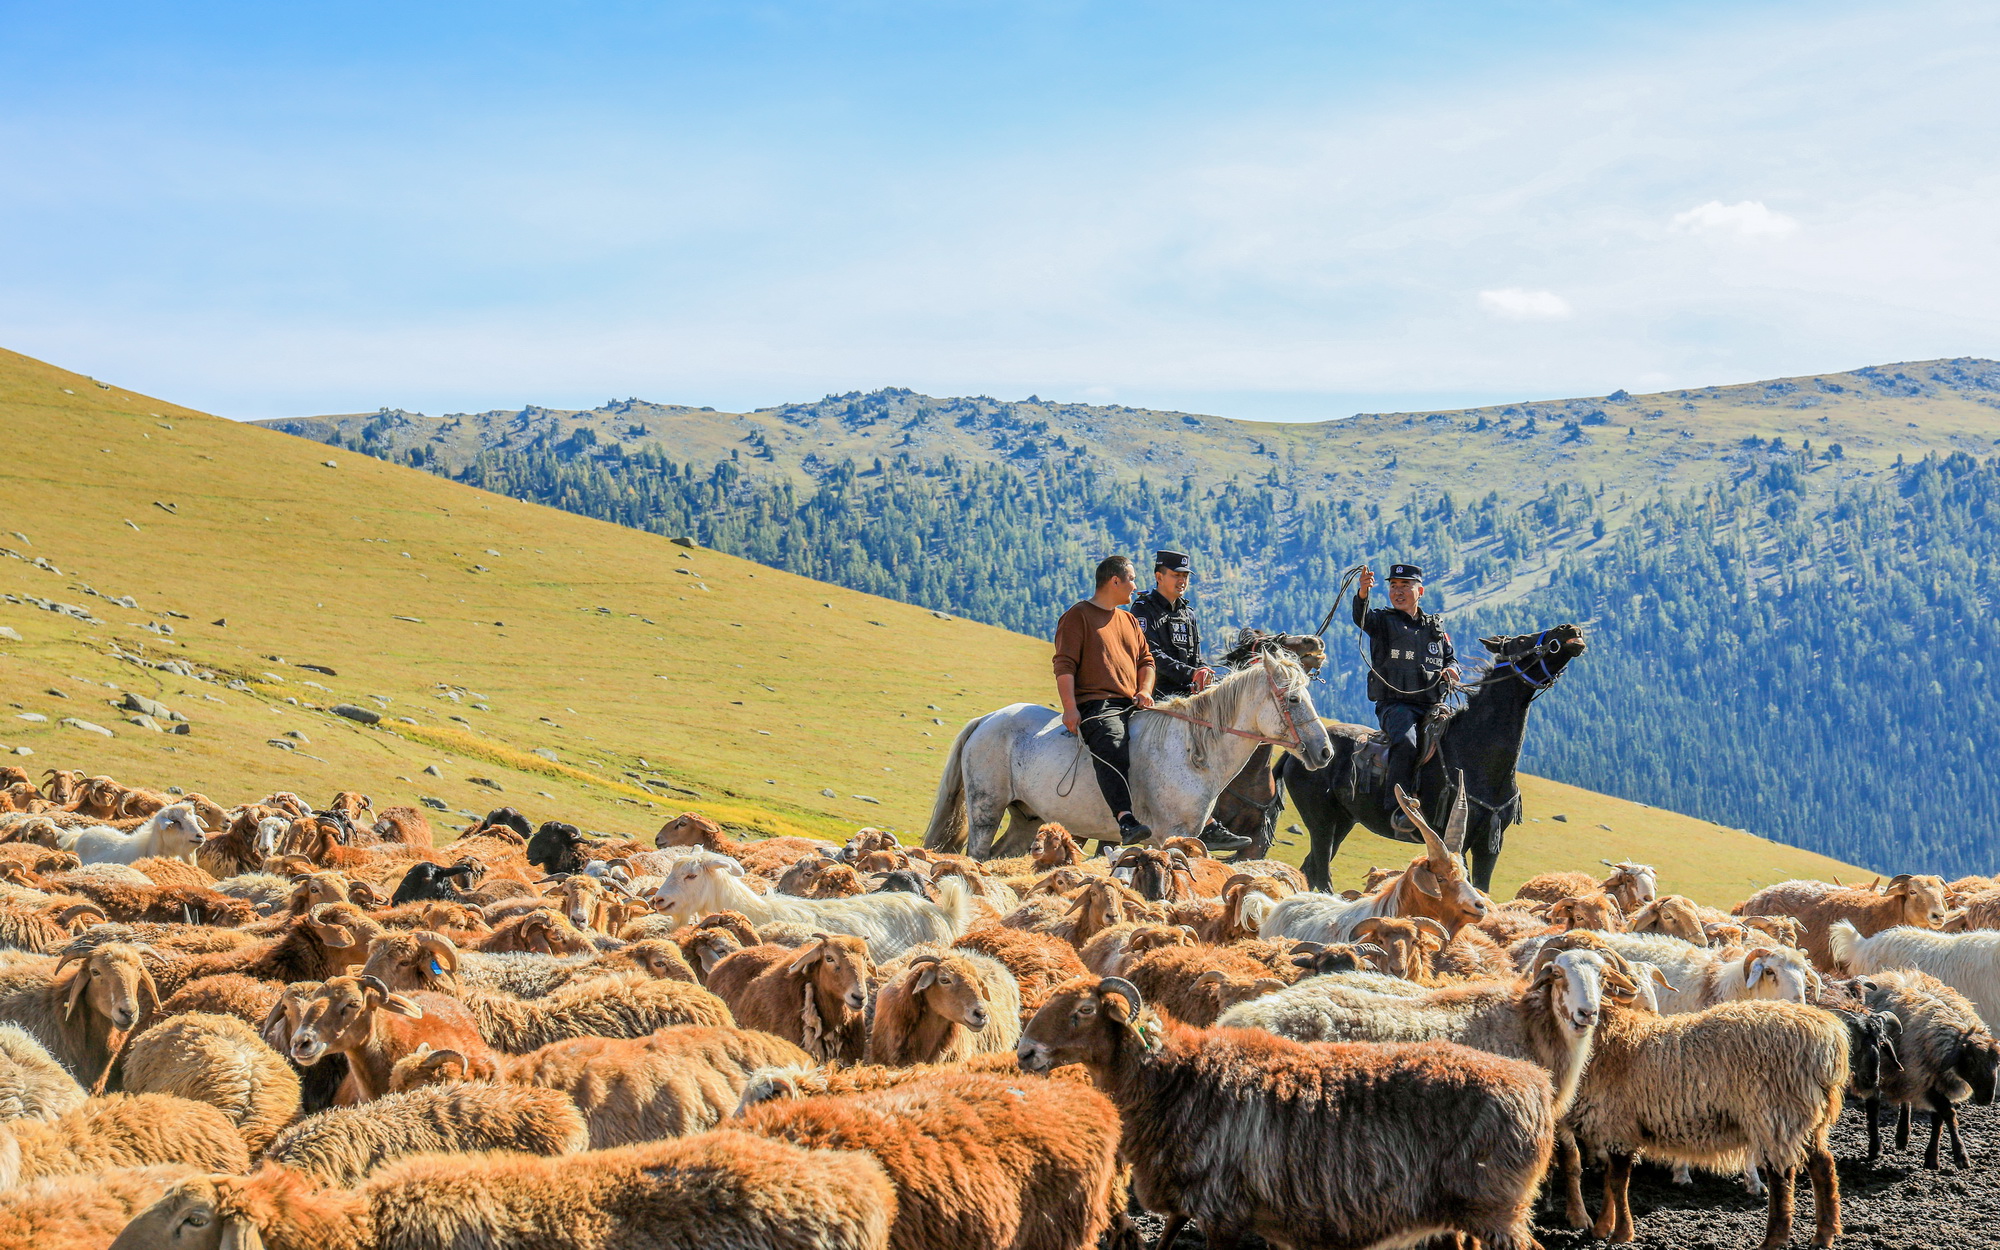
[(1407, 657), (1171, 632)]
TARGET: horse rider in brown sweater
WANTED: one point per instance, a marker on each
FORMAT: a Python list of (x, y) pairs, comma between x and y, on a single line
[(1104, 673)]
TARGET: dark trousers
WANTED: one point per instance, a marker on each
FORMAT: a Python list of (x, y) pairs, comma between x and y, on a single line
[(1400, 724), (1107, 734)]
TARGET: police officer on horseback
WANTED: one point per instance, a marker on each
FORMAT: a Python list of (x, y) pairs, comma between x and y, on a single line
[(1411, 667), (1166, 614)]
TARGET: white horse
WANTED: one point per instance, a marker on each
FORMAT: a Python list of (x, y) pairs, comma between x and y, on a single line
[(1021, 760)]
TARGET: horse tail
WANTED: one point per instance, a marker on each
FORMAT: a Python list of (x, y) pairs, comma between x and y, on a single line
[(946, 832)]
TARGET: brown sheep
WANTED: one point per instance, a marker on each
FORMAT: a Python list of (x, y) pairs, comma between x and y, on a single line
[(406, 825), (42, 860), (1157, 875), (814, 996), (122, 1131), (1597, 911), (1408, 945), (541, 931), (941, 1005), (1171, 977), (164, 871), (837, 881), (359, 1018), (718, 1188), (84, 1212), (74, 1005), (1053, 847), (680, 1080), (343, 1145), (1633, 885), (45, 928), (166, 904), (229, 994), (1673, 915), (1917, 901), (1785, 929), (766, 857), (1109, 952), (977, 1160), (1097, 906), (1038, 961), (1471, 956), (221, 1061)]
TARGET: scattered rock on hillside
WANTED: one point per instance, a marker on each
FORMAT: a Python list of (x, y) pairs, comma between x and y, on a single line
[(10, 633), (280, 743), (829, 794), (319, 668), (436, 805), (145, 722), (87, 727), (148, 707), (24, 750), (433, 770), (488, 782), (1560, 817), (682, 542), (298, 737), (548, 755), (867, 798), (367, 716), (35, 718), (411, 619)]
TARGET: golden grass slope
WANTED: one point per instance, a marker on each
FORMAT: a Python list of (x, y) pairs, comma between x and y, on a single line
[(630, 659)]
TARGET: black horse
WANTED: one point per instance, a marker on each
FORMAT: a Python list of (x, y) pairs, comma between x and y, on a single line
[(1482, 744)]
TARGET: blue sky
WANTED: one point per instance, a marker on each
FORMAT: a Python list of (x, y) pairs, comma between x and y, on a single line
[(1259, 210)]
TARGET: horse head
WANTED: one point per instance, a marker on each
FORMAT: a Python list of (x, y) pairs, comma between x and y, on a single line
[(1303, 732), (1537, 658)]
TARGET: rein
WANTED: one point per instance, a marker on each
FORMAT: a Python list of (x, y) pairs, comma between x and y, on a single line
[(1296, 742)]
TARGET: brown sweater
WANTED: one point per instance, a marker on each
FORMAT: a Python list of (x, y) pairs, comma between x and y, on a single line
[(1104, 649)]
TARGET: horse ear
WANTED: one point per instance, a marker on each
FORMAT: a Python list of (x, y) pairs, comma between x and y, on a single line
[(1493, 644)]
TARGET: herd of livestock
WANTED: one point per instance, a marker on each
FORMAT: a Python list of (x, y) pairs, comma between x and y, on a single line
[(277, 1027)]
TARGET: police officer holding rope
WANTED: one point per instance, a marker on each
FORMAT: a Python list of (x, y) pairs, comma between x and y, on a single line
[(1411, 667)]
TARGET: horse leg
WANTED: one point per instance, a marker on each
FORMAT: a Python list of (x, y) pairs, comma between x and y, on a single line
[(1325, 819), (1484, 860), (983, 811)]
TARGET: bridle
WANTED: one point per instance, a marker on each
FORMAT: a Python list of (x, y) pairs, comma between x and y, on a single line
[(1295, 743), (1544, 649)]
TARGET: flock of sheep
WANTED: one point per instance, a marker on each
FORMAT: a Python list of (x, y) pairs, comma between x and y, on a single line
[(274, 1026)]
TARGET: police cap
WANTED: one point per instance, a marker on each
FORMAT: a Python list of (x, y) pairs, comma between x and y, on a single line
[(1172, 562), (1406, 573)]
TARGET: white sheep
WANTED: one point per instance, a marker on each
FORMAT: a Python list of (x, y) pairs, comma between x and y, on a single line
[(1967, 962), (173, 832), (1699, 977), (705, 882)]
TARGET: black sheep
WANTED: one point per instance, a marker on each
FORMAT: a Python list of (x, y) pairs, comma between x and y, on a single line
[(558, 847), (434, 881)]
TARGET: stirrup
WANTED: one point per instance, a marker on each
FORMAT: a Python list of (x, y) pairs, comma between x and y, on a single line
[(1399, 821)]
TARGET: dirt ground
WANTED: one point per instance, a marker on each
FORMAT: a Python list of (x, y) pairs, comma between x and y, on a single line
[(1894, 1205)]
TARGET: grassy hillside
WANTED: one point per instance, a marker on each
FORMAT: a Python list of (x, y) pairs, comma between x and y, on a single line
[(738, 690)]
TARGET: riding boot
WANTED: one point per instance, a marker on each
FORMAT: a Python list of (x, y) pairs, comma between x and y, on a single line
[(1217, 836), (1131, 832)]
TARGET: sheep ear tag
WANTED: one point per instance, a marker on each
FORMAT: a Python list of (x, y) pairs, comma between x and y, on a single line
[(437, 969)]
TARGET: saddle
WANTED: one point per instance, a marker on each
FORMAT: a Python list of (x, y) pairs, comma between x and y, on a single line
[(1369, 759)]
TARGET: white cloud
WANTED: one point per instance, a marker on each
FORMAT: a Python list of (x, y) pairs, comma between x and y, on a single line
[(1517, 304), (1748, 219)]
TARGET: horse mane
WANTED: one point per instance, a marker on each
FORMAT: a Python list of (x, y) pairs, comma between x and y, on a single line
[(1222, 702)]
